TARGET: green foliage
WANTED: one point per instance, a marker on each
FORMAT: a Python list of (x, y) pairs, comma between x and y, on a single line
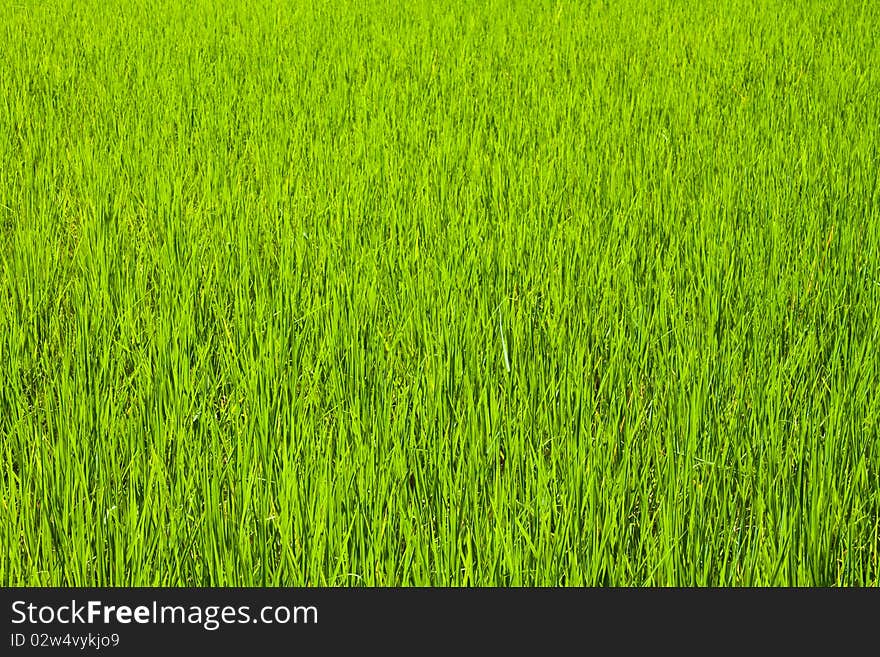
[(424, 293)]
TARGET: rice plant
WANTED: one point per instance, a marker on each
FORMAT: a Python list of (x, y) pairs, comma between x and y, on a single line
[(497, 292)]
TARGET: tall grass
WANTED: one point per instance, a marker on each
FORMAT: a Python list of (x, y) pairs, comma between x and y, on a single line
[(497, 292)]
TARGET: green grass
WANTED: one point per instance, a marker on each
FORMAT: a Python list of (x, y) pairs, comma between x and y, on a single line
[(399, 293)]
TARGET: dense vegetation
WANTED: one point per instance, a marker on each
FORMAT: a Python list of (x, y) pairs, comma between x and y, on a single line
[(490, 292)]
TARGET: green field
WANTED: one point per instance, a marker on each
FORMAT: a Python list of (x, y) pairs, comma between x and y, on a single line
[(423, 293)]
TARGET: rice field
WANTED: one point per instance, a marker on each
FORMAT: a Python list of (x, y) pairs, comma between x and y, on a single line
[(497, 292)]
